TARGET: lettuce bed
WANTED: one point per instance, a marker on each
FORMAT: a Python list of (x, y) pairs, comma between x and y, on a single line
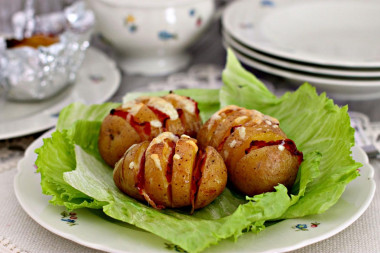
[(73, 173)]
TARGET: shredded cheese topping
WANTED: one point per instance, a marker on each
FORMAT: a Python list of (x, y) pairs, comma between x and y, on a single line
[(156, 123), (163, 106), (156, 161), (185, 103), (241, 131)]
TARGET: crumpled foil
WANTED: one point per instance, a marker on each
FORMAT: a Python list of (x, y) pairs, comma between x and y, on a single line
[(34, 74)]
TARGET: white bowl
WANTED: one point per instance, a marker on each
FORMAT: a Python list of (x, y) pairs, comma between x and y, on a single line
[(151, 36)]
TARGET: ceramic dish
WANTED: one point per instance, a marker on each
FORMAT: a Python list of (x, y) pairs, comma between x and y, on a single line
[(151, 36), (95, 230), (97, 80), (341, 89), (291, 65), (314, 31)]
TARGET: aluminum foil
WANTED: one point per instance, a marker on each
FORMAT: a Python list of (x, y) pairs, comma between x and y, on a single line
[(34, 74)]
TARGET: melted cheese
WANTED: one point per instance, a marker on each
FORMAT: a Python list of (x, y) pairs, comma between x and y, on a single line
[(163, 106), (241, 131), (232, 144), (135, 108), (184, 103), (156, 161), (240, 120), (161, 137), (156, 123), (225, 154), (214, 118), (128, 104)]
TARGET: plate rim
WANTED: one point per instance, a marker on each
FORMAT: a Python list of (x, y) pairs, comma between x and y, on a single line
[(303, 76), (318, 82), (294, 66), (49, 118), (283, 54), (42, 223), (83, 242)]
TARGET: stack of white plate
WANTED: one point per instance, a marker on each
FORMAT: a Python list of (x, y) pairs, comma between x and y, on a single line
[(332, 44)]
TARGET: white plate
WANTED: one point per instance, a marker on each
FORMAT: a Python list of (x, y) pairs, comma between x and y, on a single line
[(97, 80), (291, 65), (342, 89), (95, 230), (342, 33)]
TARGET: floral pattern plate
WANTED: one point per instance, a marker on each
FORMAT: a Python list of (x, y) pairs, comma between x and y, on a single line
[(97, 80), (95, 230)]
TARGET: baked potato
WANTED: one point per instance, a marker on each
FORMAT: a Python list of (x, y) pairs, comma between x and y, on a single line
[(257, 153), (171, 171), (143, 119)]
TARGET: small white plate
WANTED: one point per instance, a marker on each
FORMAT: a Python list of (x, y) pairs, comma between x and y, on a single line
[(95, 230), (342, 33), (97, 80), (291, 65), (342, 89)]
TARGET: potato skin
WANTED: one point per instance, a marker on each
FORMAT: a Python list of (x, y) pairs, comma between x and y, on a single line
[(157, 159), (189, 113), (166, 177), (213, 180), (262, 169), (115, 137), (127, 170), (184, 161), (144, 119), (232, 130)]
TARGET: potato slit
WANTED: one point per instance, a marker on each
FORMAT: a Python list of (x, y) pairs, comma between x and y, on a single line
[(169, 169), (228, 134), (162, 117), (222, 115), (181, 116), (141, 182), (197, 175), (122, 178), (287, 144), (143, 129)]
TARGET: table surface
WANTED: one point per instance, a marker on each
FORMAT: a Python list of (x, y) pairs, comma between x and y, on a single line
[(19, 233)]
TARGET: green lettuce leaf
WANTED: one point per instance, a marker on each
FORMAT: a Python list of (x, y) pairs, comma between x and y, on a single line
[(78, 111), (75, 175), (313, 122), (55, 157), (191, 232)]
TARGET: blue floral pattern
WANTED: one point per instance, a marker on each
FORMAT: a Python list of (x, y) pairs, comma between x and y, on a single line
[(165, 35), (304, 227), (69, 217), (268, 3)]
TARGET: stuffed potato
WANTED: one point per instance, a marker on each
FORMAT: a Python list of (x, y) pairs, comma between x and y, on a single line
[(143, 119), (257, 153), (171, 172)]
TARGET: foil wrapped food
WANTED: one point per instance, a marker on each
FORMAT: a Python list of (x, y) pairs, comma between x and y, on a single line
[(38, 72)]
